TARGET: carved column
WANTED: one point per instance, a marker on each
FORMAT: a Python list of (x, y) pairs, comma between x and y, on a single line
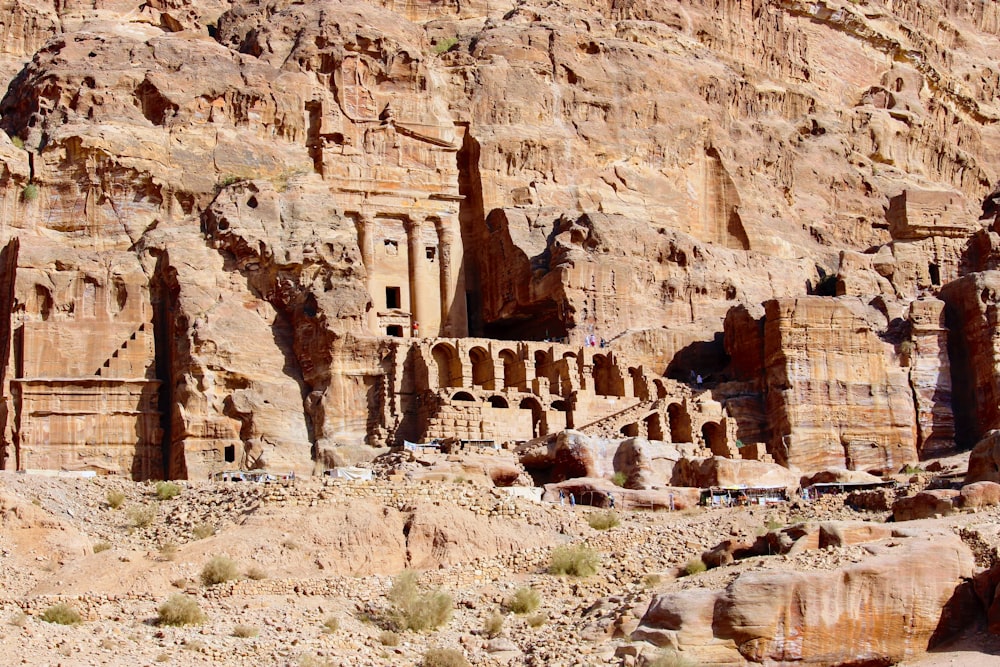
[(447, 283), (416, 279), (366, 240)]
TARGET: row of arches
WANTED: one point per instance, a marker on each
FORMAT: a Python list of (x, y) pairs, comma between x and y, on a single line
[(679, 427), (518, 373), (497, 401)]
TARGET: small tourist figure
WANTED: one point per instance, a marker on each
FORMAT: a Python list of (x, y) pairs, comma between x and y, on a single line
[(562, 498), (611, 500), (572, 500), (671, 498)]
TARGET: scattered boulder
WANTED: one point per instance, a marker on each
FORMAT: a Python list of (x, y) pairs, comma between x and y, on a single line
[(839, 476), (596, 492), (880, 611), (979, 494), (984, 461), (719, 471), (924, 505), (647, 464)]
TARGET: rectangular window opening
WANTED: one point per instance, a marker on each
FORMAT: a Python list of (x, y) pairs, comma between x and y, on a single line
[(394, 330), (392, 299), (431, 252)]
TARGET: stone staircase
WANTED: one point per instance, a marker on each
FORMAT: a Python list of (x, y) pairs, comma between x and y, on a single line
[(119, 364), (608, 427)]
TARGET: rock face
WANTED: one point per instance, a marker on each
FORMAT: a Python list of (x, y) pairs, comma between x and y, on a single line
[(285, 235), (984, 461), (882, 610)]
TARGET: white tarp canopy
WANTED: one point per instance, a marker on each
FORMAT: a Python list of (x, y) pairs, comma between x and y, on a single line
[(351, 472)]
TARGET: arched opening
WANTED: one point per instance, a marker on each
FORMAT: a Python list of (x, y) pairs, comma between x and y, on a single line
[(661, 389), (654, 426), (463, 396), (499, 402), (715, 438), (630, 430), (559, 405), (482, 368), (607, 379), (448, 365), (537, 416), (639, 388), (513, 371), (543, 365), (680, 423)]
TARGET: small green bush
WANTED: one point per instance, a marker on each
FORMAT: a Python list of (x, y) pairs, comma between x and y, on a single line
[(444, 657), (203, 530), (603, 520), (62, 614), (331, 624), (772, 524), (115, 499), (415, 610), (101, 546), (219, 570), (445, 44), (575, 560), (256, 573), (619, 479), (30, 192), (910, 469), (493, 625), (17, 141), (168, 551), (388, 638), (245, 631), (180, 610), (142, 516), (524, 600), (167, 490), (695, 566)]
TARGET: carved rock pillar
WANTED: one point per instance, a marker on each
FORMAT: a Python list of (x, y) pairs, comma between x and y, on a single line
[(447, 286), (366, 239), (416, 279)]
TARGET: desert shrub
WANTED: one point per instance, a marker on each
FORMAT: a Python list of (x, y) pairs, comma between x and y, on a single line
[(388, 638), (202, 530), (115, 499), (101, 546), (772, 523), (538, 620), (142, 516), (651, 580), (167, 490), (256, 573), (168, 551), (695, 566), (670, 658), (62, 614), (180, 610), (313, 660), (163, 657), (603, 520), (331, 624), (245, 631), (218, 570), (18, 618), (910, 469), (17, 141), (524, 600), (30, 192), (493, 625), (444, 657), (619, 479), (575, 560), (416, 610), (445, 44)]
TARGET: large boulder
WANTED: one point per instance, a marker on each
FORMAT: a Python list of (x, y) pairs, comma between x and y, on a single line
[(647, 464), (719, 471), (925, 505), (839, 476), (979, 494), (880, 611), (984, 461)]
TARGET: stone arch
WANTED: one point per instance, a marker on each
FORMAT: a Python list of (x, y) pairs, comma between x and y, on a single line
[(630, 430), (513, 371), (499, 402), (607, 379), (463, 396), (448, 365), (639, 388), (715, 438), (654, 426), (543, 365), (537, 415), (680, 423), (482, 368), (560, 406)]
